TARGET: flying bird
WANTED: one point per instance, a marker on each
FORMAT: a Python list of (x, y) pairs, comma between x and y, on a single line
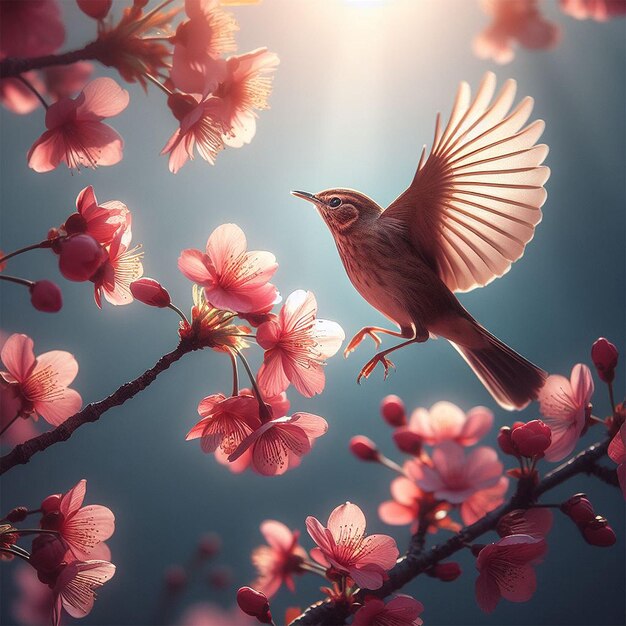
[(466, 217)]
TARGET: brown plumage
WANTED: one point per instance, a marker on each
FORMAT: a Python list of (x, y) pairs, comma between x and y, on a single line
[(467, 216)]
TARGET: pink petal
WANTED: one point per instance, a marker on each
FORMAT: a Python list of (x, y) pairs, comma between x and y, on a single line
[(73, 499), (87, 528), (521, 585), (447, 420), (329, 337), (277, 534), (484, 501), (61, 363), (318, 534), (270, 455), (76, 583), (47, 152), (193, 264), (18, 356), (487, 592), (313, 426), (405, 491), (380, 550), (565, 435), (483, 468), (226, 243), (346, 516), (396, 514), (298, 306), (103, 97), (368, 577), (307, 380), (56, 411), (478, 423), (272, 377), (103, 145), (582, 384), (617, 448)]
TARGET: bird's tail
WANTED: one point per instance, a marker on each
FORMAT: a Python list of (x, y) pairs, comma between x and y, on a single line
[(512, 380)]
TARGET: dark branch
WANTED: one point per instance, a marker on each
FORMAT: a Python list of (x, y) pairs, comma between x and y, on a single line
[(13, 67), (22, 453), (417, 561)]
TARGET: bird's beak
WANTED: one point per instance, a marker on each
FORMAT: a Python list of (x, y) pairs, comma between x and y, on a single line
[(305, 195)]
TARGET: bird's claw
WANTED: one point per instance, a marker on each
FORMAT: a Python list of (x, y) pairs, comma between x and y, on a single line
[(358, 338), (370, 366)]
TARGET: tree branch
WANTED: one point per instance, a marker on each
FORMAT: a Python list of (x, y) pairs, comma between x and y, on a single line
[(22, 453), (12, 67), (416, 561)]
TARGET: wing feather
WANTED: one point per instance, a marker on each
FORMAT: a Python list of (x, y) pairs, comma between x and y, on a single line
[(475, 201)]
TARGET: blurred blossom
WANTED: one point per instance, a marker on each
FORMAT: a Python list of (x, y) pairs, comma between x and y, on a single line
[(17, 97), (564, 405), (204, 614), (32, 605), (400, 610), (599, 10), (62, 81)]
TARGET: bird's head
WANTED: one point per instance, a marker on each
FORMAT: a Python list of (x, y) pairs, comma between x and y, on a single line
[(343, 210)]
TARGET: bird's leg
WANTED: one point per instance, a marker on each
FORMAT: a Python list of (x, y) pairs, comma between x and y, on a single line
[(381, 357), (371, 331)]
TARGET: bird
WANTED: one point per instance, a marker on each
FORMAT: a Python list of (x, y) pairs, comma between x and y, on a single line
[(466, 217)]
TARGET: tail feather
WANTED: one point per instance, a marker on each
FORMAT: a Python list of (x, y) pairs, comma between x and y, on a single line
[(512, 380)]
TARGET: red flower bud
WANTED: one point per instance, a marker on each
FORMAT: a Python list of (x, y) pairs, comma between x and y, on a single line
[(604, 356), (175, 578), (180, 105), (46, 296), (97, 9), (531, 439), (597, 532), (579, 509), (505, 442), (47, 553), (393, 411), (75, 224), (18, 514), (51, 503), (254, 603), (364, 448), (80, 257), (407, 441), (150, 292), (446, 572), (209, 545)]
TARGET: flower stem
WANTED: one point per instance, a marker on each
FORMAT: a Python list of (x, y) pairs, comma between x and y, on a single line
[(19, 281), (263, 410), (15, 553), (392, 465), (172, 306), (30, 86), (233, 360), (35, 246), (9, 425), (611, 397), (158, 83)]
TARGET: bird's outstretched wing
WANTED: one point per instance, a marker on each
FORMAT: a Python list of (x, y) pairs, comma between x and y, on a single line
[(475, 201)]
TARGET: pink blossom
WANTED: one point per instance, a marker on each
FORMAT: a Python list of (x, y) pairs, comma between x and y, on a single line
[(76, 135), (225, 422), (506, 570), (279, 445), (121, 267), (75, 587), (150, 292), (42, 381), (401, 610), (97, 9), (617, 452), (246, 88), (46, 296), (405, 506), (205, 614), (447, 422), (514, 21), (30, 29), (199, 128), (296, 346), (232, 277), (599, 10), (455, 476), (344, 546), (33, 602), (100, 221), (564, 405), (536, 522), (484, 501), (82, 528), (277, 562), (63, 81), (17, 97), (199, 43)]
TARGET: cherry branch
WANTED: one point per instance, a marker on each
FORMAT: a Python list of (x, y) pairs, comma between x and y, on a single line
[(22, 453), (12, 67), (417, 561)]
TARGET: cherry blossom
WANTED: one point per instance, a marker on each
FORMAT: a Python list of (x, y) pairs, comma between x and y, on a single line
[(296, 346), (205, 614), (506, 570), (279, 444), (232, 277), (401, 610), (62, 81), (17, 97), (484, 501), (405, 506), (278, 562), (599, 10), (33, 602), (43, 381), (447, 422), (76, 135), (536, 522), (617, 452), (344, 546), (564, 405)]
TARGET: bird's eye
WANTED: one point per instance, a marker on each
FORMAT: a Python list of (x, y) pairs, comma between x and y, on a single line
[(334, 202)]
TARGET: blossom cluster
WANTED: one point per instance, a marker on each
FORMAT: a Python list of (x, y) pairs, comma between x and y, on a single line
[(214, 98), (68, 559)]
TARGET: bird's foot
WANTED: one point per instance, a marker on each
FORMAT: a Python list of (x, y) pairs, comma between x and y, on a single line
[(359, 337), (370, 366)]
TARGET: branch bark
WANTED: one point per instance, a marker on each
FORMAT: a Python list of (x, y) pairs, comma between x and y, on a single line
[(22, 453), (416, 561)]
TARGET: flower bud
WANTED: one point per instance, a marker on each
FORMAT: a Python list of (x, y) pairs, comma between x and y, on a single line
[(531, 439), (97, 9), (47, 553), (597, 532), (505, 442), (254, 603), (604, 356), (52, 520), (364, 448), (46, 296), (175, 578), (221, 577), (407, 441), (150, 292), (393, 411), (18, 514), (579, 509), (446, 572), (75, 224), (209, 545), (180, 105), (51, 503), (80, 257)]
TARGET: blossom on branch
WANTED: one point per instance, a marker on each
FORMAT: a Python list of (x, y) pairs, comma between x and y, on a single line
[(599, 10), (617, 452), (401, 610)]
